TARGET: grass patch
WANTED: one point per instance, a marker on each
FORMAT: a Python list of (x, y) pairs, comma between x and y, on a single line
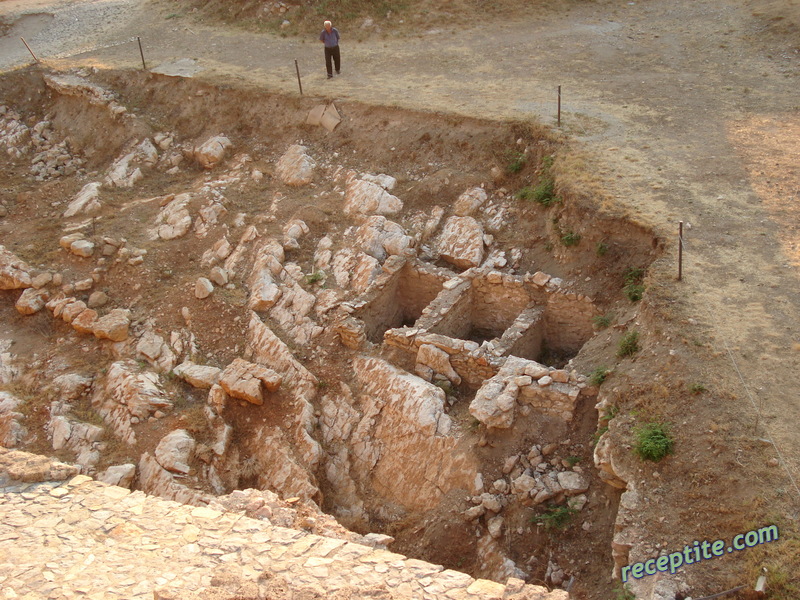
[(628, 345), (697, 388), (653, 441), (555, 517), (599, 375), (515, 162), (598, 434), (633, 287), (573, 460), (622, 592), (780, 558), (570, 238), (315, 277), (601, 321), (601, 249)]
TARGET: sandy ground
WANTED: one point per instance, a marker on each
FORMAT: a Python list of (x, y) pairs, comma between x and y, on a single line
[(690, 107)]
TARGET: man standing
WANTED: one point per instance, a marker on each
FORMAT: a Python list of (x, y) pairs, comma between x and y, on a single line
[(330, 37)]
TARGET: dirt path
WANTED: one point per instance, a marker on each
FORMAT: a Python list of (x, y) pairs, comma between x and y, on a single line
[(692, 113)]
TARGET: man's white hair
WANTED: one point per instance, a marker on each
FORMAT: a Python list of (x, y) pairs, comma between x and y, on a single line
[(326, 23)]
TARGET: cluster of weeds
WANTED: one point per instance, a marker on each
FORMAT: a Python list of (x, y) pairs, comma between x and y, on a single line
[(515, 161), (598, 434), (570, 238), (602, 321), (653, 441), (446, 386), (697, 388), (633, 286), (601, 249), (544, 192), (599, 375), (555, 517), (629, 344), (315, 277), (622, 592), (573, 460)]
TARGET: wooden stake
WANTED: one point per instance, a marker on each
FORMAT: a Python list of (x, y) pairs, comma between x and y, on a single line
[(299, 83), (141, 53), (559, 106), (680, 250), (29, 49)]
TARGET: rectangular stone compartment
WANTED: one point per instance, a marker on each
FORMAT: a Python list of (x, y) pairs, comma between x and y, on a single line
[(400, 300)]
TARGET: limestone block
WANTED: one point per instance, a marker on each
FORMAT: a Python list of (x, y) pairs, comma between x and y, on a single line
[(82, 248), (461, 242), (387, 182), (211, 152), (244, 380), (296, 167), (86, 202), (175, 451), (495, 527), (119, 475), (85, 321), (32, 301), (438, 361), (174, 220), (199, 376), (264, 292), (366, 198), (12, 432), (219, 276), (97, 299), (470, 201), (203, 288), (380, 238), (72, 309), (113, 326), (524, 484), (494, 404)]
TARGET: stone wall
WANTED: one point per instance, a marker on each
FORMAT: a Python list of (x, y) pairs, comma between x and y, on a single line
[(398, 296)]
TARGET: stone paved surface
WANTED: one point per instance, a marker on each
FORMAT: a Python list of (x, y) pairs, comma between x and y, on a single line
[(67, 536)]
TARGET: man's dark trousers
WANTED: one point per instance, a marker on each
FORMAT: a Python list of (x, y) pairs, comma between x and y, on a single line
[(332, 53)]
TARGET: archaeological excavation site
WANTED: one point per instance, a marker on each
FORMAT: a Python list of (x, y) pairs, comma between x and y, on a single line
[(363, 324)]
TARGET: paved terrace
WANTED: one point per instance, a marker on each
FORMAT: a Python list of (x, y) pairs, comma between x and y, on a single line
[(64, 535)]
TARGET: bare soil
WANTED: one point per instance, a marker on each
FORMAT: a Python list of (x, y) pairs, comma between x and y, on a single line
[(682, 111)]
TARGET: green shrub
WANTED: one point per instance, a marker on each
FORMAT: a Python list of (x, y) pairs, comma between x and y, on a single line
[(634, 291), (314, 277), (601, 321), (598, 434), (525, 193), (545, 192), (602, 249), (623, 592), (653, 441), (698, 388), (516, 161), (632, 284), (598, 376), (555, 517), (629, 344), (570, 238)]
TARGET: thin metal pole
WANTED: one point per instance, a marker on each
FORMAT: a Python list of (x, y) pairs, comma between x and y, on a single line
[(141, 52), (680, 250), (559, 106), (29, 49), (299, 83)]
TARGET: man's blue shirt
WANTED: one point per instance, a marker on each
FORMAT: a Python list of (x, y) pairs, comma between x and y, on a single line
[(331, 39)]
